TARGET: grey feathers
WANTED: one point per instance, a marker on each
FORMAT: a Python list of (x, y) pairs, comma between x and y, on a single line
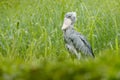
[(78, 42)]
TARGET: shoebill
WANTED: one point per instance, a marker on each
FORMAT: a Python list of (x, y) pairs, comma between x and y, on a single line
[(75, 42)]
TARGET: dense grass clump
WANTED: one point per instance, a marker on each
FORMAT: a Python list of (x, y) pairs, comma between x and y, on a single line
[(32, 46)]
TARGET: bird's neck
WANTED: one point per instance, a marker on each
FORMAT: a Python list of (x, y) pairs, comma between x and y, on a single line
[(69, 29)]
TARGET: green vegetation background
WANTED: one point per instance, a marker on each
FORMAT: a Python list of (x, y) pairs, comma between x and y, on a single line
[(32, 46)]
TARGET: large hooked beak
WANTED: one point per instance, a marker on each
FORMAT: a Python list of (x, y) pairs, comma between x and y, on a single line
[(67, 23)]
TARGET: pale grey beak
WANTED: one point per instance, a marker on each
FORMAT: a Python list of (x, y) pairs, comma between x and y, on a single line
[(66, 24)]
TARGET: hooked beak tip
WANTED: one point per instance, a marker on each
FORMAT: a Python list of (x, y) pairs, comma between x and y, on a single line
[(63, 28)]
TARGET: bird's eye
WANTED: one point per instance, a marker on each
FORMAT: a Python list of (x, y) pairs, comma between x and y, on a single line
[(68, 16)]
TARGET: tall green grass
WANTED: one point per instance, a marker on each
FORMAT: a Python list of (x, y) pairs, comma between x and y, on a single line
[(31, 38)]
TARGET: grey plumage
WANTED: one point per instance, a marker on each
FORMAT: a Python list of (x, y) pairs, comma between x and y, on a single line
[(74, 41)]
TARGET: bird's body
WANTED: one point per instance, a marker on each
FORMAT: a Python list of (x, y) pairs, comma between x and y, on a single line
[(74, 41)]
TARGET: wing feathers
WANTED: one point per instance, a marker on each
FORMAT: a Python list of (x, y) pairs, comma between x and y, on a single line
[(81, 44)]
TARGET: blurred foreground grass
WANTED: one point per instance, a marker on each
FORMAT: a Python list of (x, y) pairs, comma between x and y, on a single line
[(32, 47), (59, 68)]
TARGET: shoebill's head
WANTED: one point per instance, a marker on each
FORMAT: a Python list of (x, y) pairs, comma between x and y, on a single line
[(69, 20)]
